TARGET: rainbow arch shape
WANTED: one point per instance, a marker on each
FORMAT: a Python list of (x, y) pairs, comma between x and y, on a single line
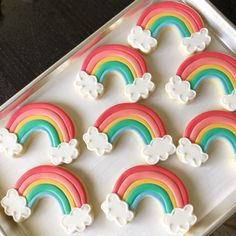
[(201, 131), (179, 16), (142, 181), (130, 117), (118, 59), (197, 68), (44, 117), (55, 182)]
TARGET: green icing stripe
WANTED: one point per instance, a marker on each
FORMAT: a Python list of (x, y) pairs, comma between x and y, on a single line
[(168, 21), (129, 124), (48, 189), (141, 191), (212, 73), (36, 125), (112, 66), (215, 133)]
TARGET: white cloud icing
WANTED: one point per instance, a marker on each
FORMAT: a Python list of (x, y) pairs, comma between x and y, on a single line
[(117, 210), (9, 144), (228, 101), (97, 141), (64, 152), (180, 220), (88, 86), (141, 39), (190, 153), (179, 89), (15, 206), (159, 149), (77, 220), (197, 42), (140, 88)]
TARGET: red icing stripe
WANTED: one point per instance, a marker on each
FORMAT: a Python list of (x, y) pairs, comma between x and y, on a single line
[(113, 47), (210, 114), (47, 106), (197, 18), (56, 170), (125, 106), (156, 169), (207, 54)]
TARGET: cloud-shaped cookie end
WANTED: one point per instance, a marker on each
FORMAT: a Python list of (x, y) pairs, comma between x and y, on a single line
[(197, 42), (97, 141), (228, 101), (190, 153), (88, 86), (179, 90), (9, 144), (117, 210), (159, 149), (15, 205), (141, 39), (64, 152), (140, 88), (180, 220), (78, 219)]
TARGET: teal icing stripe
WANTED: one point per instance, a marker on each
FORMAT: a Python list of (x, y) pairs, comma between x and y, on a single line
[(218, 133), (114, 66), (169, 21), (212, 73), (38, 125)]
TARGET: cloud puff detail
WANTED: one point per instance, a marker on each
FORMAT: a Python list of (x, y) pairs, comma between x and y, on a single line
[(117, 210), (141, 39), (159, 149), (190, 153), (97, 141), (140, 88)]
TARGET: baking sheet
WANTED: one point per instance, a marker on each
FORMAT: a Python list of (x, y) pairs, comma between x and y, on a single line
[(211, 188)]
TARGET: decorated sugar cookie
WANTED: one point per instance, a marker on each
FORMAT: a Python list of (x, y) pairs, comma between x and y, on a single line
[(51, 181), (164, 14), (120, 59), (135, 117), (201, 131), (202, 66), (44, 117), (139, 182)]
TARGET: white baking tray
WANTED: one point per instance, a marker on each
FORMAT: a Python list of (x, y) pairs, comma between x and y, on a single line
[(211, 188)]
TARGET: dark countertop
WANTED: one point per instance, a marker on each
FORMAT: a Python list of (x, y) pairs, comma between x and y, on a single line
[(36, 33)]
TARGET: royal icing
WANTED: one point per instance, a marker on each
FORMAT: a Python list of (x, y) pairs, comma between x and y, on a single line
[(163, 14), (202, 66), (136, 117), (62, 185), (36, 117), (114, 58), (139, 182), (201, 131)]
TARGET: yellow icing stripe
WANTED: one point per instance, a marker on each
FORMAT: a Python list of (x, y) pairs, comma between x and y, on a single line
[(154, 18), (213, 66), (40, 117), (150, 181), (106, 130), (55, 183), (210, 127), (115, 58)]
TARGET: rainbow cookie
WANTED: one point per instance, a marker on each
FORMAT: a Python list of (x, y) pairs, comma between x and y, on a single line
[(136, 117), (114, 58), (164, 14), (36, 117), (52, 181), (202, 66), (139, 182), (201, 131)]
